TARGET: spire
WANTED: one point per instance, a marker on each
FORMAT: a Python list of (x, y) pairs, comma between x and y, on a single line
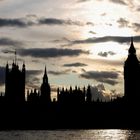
[(45, 77), (45, 72), (13, 64), (23, 66), (132, 49)]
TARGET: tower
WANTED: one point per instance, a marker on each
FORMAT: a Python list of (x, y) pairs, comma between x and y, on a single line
[(15, 84), (131, 75), (45, 89)]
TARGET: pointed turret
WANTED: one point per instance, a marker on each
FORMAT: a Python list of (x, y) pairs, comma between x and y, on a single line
[(132, 57), (45, 73), (23, 67), (45, 89), (13, 64), (132, 49)]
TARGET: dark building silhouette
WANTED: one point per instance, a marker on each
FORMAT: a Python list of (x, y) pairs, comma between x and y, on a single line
[(45, 96), (132, 75), (15, 83), (33, 96), (74, 96), (42, 96)]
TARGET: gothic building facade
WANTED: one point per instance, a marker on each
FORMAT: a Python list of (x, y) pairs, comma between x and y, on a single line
[(132, 75), (15, 83)]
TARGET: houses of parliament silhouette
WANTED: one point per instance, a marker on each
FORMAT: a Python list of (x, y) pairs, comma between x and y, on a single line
[(72, 105), (15, 89)]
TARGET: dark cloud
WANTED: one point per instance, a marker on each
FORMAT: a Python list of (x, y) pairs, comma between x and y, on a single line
[(55, 21), (2, 76), (56, 72), (136, 26), (74, 71), (9, 42), (138, 9), (33, 72), (90, 23), (75, 65), (28, 21), (111, 53), (92, 32), (100, 74), (59, 72), (105, 54), (118, 39), (123, 22), (50, 52), (12, 22), (108, 77), (122, 2)]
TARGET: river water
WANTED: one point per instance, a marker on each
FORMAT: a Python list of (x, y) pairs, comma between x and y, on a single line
[(105, 134)]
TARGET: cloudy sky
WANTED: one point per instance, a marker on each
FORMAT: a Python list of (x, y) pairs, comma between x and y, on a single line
[(81, 42)]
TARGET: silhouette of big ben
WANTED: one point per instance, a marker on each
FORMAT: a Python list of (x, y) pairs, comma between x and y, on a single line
[(15, 83), (45, 89), (132, 75)]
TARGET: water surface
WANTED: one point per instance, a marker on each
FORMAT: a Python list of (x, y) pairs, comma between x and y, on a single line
[(108, 134)]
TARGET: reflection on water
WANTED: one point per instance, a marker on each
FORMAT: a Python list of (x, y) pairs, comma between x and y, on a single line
[(108, 134)]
